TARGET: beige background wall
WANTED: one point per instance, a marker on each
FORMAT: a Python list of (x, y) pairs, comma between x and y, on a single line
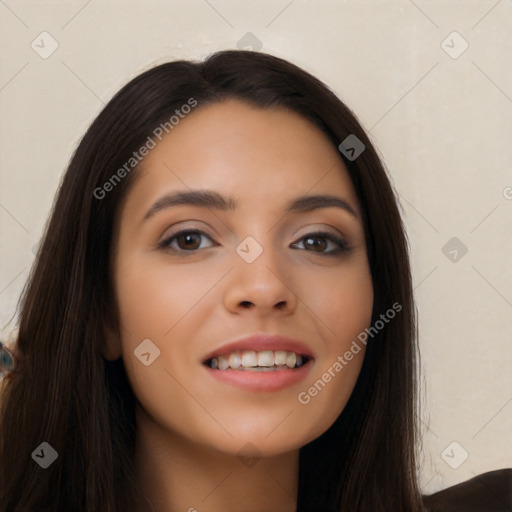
[(440, 114)]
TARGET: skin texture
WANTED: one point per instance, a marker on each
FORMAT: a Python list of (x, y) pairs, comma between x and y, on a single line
[(191, 428)]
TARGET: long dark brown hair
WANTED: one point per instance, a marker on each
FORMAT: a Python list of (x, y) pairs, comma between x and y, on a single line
[(64, 392)]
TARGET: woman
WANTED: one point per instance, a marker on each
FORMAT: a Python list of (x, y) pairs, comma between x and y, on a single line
[(220, 316)]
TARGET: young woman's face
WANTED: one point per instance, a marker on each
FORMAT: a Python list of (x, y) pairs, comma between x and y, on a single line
[(254, 268)]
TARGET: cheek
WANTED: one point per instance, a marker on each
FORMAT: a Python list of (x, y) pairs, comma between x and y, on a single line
[(165, 304), (323, 399), (154, 304), (153, 297), (344, 311), (343, 302)]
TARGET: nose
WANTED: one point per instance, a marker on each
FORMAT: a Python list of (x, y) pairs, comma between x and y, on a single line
[(261, 286)]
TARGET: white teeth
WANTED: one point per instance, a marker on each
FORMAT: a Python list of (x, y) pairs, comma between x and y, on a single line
[(291, 359), (280, 357), (266, 358), (249, 359), (235, 361), (257, 361), (223, 363)]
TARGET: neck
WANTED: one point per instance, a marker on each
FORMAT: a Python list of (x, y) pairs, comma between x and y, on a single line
[(178, 475)]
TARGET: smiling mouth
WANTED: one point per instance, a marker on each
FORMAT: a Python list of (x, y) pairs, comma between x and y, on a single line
[(258, 361)]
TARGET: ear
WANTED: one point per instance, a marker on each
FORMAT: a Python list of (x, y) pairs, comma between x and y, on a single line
[(112, 344)]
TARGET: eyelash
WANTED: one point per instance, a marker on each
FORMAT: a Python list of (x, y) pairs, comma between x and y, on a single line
[(343, 247)]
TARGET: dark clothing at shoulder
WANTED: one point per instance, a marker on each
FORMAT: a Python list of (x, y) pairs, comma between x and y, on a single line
[(488, 492)]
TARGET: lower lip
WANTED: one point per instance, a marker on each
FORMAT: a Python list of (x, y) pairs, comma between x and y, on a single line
[(262, 381)]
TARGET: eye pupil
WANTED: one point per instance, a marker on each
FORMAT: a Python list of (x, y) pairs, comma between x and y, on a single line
[(320, 242), (189, 237)]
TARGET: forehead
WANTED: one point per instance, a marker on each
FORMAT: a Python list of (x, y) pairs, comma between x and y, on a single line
[(253, 153)]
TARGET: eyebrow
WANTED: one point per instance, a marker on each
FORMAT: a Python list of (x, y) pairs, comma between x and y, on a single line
[(215, 200)]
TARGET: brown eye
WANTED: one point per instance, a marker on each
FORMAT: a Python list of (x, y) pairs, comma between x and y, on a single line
[(190, 241), (186, 240), (320, 241), (315, 242)]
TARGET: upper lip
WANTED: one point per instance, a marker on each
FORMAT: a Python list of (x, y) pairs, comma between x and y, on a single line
[(262, 341)]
